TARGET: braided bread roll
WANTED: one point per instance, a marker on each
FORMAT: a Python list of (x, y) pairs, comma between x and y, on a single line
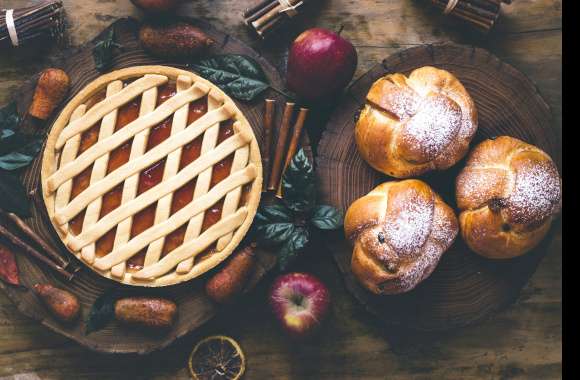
[(412, 125), (399, 231), (508, 193)]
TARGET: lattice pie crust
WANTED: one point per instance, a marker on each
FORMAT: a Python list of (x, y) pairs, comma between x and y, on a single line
[(151, 175)]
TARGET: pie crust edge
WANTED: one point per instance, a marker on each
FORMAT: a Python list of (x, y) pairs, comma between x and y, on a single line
[(48, 167)]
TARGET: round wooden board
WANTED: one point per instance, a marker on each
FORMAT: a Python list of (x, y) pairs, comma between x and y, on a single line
[(193, 305), (465, 288)]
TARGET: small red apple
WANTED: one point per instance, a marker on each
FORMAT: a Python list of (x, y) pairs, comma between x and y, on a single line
[(300, 302), (320, 64)]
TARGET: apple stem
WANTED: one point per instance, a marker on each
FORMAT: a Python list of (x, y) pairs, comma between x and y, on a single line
[(340, 30)]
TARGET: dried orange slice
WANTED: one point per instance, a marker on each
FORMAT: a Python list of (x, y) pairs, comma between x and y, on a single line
[(217, 357)]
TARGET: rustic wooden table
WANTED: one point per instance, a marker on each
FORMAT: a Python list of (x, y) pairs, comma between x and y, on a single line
[(523, 341)]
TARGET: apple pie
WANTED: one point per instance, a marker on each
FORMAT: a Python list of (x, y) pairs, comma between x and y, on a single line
[(151, 175)]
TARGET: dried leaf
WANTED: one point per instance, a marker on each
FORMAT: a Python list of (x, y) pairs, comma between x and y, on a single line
[(8, 268)]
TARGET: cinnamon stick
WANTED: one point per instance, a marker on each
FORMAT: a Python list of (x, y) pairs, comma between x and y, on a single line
[(474, 8), (26, 230), (271, 14), (298, 126), (486, 4), (479, 13), (250, 11), (278, 153), (468, 7), (270, 26), (482, 22), (268, 16), (248, 19), (270, 105), (16, 241)]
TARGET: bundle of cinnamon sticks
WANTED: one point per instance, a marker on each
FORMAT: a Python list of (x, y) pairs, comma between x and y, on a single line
[(481, 14), (282, 156), (20, 27), (268, 16), (31, 244)]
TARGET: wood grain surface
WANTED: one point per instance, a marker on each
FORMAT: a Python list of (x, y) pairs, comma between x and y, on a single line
[(524, 341), (195, 308), (464, 288)]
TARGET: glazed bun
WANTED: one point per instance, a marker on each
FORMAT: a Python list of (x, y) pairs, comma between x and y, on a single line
[(414, 124), (508, 193), (399, 231)]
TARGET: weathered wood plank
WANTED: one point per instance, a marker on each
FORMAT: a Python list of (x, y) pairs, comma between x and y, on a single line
[(522, 342)]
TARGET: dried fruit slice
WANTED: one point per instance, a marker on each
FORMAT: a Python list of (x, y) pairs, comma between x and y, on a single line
[(217, 358)]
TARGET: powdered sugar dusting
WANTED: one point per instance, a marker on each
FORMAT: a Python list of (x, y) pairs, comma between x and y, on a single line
[(416, 272), (536, 194), (408, 242), (422, 267), (444, 229), (432, 128), (476, 186), (401, 102), (408, 231)]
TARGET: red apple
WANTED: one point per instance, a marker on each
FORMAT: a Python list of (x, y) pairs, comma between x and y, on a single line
[(300, 302), (320, 64)]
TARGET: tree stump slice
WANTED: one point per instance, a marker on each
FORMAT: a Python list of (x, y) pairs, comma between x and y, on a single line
[(465, 288), (194, 307)]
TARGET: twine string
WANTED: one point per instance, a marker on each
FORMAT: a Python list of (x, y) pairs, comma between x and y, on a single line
[(451, 4), (11, 27), (289, 8)]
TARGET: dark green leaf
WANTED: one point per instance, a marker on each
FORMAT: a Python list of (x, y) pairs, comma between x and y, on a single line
[(273, 224), (298, 184), (275, 233), (16, 148), (13, 195), (9, 118), (103, 51), (273, 214), (292, 247), (102, 311), (10, 139), (238, 75), (326, 217), (22, 156)]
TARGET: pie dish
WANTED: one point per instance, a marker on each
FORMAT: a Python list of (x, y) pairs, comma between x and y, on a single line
[(151, 175)]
